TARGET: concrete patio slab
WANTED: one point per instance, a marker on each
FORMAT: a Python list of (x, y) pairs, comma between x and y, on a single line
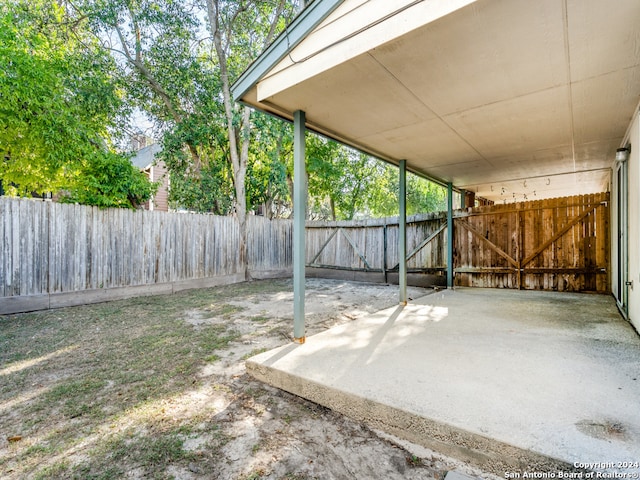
[(515, 382)]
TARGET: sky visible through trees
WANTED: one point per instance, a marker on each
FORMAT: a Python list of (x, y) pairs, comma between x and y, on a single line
[(76, 75)]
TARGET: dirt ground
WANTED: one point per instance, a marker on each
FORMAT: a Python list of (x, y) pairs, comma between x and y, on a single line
[(155, 387)]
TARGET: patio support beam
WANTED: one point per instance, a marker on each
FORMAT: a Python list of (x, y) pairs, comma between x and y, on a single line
[(449, 235), (299, 217), (402, 233)]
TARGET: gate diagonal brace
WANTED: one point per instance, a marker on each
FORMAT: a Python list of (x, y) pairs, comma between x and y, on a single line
[(346, 235), (559, 234), (423, 244), (364, 260), (324, 245), (491, 245)]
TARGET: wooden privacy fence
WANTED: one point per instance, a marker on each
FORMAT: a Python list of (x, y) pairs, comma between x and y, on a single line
[(371, 246), (55, 254), (554, 244)]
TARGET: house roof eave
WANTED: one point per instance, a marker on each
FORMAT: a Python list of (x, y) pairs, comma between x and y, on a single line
[(301, 26)]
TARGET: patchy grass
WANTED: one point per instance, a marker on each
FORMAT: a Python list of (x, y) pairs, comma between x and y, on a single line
[(90, 378), (254, 352), (260, 318), (154, 387)]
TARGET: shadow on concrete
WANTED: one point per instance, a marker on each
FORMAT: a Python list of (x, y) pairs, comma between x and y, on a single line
[(511, 381)]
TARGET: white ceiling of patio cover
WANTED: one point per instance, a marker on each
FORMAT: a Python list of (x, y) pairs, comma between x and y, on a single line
[(503, 97)]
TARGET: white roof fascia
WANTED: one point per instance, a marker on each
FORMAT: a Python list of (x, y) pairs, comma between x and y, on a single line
[(304, 23), (360, 28)]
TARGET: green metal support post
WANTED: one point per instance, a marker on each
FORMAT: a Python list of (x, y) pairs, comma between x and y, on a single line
[(402, 233), (449, 235), (299, 214)]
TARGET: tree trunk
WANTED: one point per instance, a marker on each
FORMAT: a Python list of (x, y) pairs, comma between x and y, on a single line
[(290, 187), (239, 138), (239, 156), (240, 175)]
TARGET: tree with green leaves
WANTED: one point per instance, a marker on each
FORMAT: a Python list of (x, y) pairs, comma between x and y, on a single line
[(156, 47), (240, 31), (179, 59), (422, 195), (269, 167), (109, 180), (345, 184), (59, 106), (340, 179)]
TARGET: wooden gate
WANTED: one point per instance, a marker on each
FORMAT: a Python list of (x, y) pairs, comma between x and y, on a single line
[(370, 247), (556, 244)]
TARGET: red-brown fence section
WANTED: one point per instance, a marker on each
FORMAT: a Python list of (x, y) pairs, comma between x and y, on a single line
[(52, 253), (555, 244)]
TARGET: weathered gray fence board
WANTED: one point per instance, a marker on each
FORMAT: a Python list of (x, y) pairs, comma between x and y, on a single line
[(327, 244), (59, 250), (15, 254), (269, 244), (56, 249)]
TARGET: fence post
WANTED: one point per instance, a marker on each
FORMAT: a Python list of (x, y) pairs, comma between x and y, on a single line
[(520, 236), (384, 252), (402, 233), (449, 235)]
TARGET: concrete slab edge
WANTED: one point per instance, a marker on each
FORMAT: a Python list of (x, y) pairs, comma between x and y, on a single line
[(453, 475), (423, 452), (487, 454)]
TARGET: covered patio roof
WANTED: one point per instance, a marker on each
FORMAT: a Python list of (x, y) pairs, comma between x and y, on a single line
[(503, 98)]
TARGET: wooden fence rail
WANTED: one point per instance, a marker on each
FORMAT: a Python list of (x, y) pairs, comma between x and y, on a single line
[(372, 245), (558, 244), (555, 244), (56, 255)]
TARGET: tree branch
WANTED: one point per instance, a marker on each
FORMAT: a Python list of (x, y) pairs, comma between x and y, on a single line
[(274, 24), (123, 42), (136, 31)]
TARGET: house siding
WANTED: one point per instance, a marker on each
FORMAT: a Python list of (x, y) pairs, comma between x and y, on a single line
[(634, 224), (160, 200)]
